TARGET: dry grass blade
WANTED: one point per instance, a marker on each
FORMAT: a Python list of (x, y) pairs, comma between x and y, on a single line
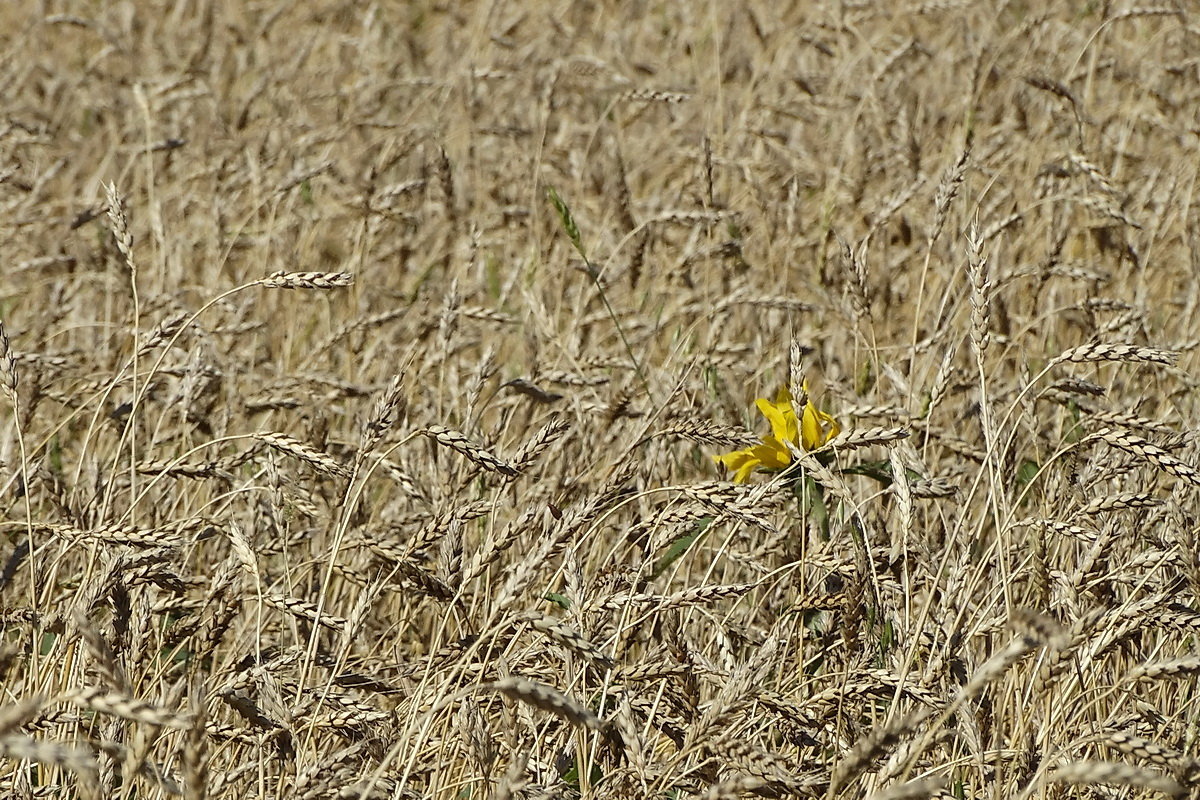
[(531, 390)]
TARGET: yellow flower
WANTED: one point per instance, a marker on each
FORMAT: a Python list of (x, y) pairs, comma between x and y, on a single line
[(811, 430)]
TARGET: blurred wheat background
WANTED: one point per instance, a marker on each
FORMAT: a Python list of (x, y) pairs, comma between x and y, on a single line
[(363, 364)]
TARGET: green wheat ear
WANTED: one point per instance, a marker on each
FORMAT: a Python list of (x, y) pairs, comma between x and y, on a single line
[(568, 222), (572, 230)]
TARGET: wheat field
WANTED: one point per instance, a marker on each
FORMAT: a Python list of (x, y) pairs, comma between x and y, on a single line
[(364, 366)]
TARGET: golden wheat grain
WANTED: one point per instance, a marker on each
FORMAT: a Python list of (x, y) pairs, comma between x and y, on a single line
[(1159, 457), (924, 787), (1111, 351), (74, 758), (1108, 772), (310, 455), (874, 745), (8, 366), (20, 713), (130, 708), (568, 638), (711, 433), (541, 441), (461, 444), (548, 699), (1118, 502), (854, 439), (302, 609)]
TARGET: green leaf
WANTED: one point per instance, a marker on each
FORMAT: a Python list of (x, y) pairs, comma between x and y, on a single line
[(571, 777), (865, 379), (879, 470), (1027, 472), (681, 545), (812, 502), (887, 637), (1075, 432)]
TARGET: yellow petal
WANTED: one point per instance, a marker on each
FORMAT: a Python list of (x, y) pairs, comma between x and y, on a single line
[(733, 460), (772, 453), (775, 415), (782, 416), (810, 428), (834, 428), (742, 474), (743, 462)]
